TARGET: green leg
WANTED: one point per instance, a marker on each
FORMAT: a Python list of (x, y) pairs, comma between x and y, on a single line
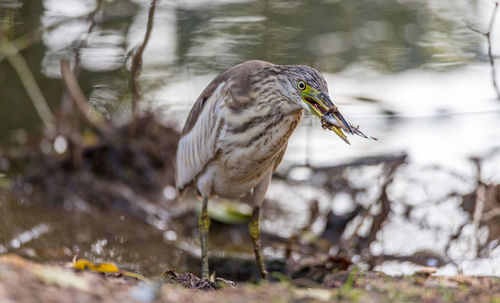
[(254, 229), (204, 226)]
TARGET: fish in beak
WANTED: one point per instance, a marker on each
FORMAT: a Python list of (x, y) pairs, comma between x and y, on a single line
[(320, 105)]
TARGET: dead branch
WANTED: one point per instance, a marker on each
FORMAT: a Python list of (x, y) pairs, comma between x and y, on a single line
[(82, 43), (381, 218), (67, 123), (488, 35), (331, 170), (81, 101), (477, 216), (490, 52), (136, 66), (24, 73)]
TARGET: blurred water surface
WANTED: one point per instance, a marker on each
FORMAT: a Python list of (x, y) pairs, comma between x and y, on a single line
[(408, 72)]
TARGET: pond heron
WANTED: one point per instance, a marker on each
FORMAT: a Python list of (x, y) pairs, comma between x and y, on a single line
[(237, 132)]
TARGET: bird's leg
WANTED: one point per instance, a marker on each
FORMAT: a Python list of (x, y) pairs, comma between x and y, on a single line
[(254, 228), (204, 226), (258, 196)]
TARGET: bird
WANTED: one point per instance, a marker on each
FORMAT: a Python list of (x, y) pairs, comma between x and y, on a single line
[(237, 132)]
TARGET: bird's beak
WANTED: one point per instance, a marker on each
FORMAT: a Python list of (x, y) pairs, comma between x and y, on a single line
[(320, 105)]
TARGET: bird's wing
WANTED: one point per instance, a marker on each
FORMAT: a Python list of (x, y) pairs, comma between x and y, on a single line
[(202, 132), (280, 157)]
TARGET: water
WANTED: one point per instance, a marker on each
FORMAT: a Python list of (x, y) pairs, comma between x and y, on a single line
[(408, 72)]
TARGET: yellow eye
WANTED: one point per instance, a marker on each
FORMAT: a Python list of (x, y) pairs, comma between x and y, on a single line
[(301, 85)]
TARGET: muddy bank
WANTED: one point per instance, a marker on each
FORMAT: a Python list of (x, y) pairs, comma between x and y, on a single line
[(109, 211), (25, 281)]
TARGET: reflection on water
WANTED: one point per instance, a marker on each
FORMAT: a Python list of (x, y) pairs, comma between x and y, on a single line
[(407, 71), (207, 37), (386, 35), (48, 233)]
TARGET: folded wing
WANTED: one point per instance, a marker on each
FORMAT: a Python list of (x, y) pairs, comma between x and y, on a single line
[(199, 139)]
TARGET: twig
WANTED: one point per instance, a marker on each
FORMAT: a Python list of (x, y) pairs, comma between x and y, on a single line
[(23, 71), (81, 101), (478, 205), (366, 161), (488, 35), (136, 66), (82, 42), (67, 122), (490, 51), (477, 217), (380, 219), (66, 102), (454, 237)]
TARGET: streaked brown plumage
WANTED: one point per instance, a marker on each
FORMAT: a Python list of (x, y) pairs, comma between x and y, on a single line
[(237, 132)]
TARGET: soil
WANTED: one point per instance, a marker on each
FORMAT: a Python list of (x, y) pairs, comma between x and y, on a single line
[(22, 280)]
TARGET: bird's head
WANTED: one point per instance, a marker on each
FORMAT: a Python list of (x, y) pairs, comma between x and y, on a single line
[(307, 88)]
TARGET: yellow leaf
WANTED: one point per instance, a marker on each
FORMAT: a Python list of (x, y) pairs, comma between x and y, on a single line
[(83, 264), (106, 267)]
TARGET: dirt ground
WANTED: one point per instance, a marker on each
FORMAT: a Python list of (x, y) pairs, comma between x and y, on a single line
[(22, 280)]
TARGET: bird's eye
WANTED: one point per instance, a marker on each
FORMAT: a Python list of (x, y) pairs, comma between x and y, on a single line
[(301, 85)]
